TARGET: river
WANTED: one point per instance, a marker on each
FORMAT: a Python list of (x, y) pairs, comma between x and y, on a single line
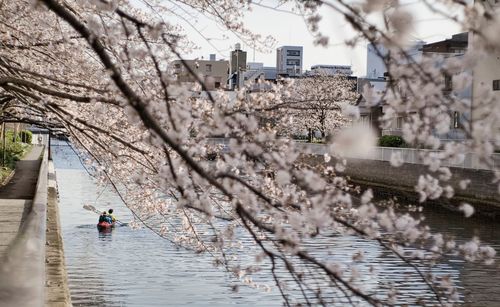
[(137, 268)]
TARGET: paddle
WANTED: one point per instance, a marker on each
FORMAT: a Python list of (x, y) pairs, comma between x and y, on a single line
[(93, 209)]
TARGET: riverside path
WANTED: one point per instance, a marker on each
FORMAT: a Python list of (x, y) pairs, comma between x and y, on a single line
[(16, 197), (32, 269)]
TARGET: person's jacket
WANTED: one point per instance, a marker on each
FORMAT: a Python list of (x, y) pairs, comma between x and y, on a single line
[(103, 218)]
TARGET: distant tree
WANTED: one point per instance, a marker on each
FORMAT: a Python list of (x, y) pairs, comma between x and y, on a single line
[(317, 103)]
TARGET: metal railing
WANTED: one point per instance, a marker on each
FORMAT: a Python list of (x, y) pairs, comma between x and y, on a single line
[(22, 274), (411, 155), (408, 155)]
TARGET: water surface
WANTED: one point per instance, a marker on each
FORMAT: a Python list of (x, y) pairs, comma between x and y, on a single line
[(137, 268)]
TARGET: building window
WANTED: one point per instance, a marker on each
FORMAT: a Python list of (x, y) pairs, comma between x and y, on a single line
[(297, 71), (496, 85), (217, 82), (289, 70), (209, 68), (365, 120), (456, 119), (448, 83), (399, 122), (293, 52), (293, 62), (177, 66)]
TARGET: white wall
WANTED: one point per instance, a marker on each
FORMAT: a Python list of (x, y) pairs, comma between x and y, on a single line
[(375, 67)]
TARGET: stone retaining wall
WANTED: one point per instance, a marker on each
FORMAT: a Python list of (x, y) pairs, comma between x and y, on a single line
[(400, 182), (56, 287)]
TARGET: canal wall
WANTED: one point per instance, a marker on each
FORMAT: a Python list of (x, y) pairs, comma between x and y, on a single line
[(56, 287), (387, 181), (400, 182)]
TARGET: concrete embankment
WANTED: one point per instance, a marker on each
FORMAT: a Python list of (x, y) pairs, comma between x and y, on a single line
[(400, 182), (57, 290)]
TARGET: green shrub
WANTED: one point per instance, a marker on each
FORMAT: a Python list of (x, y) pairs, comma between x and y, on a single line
[(11, 137), (14, 148), (17, 149), (26, 136), (391, 141), (13, 153)]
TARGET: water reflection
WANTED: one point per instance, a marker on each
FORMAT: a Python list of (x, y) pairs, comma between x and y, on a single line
[(128, 267), (105, 234)]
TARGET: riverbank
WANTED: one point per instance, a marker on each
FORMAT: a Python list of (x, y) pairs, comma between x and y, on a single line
[(56, 287), (400, 182)]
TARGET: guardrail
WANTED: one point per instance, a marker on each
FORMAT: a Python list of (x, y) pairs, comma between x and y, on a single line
[(409, 155), (22, 274)]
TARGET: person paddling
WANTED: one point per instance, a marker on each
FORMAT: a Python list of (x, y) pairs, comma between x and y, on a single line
[(110, 214), (104, 217)]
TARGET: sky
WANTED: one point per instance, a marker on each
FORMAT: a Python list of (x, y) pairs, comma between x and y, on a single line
[(289, 29)]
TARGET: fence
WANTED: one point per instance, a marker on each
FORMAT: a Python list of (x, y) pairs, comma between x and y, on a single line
[(408, 155), (411, 155)]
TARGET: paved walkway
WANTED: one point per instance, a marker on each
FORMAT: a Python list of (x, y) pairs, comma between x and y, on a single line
[(23, 184), (16, 196)]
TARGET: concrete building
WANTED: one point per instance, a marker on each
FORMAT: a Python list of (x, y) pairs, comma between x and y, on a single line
[(238, 67), (214, 74), (375, 66), (455, 45), (258, 77), (330, 70), (289, 61), (370, 113), (258, 70), (270, 73), (486, 77), (448, 49)]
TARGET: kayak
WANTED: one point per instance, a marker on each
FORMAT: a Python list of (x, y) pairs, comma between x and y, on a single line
[(102, 226)]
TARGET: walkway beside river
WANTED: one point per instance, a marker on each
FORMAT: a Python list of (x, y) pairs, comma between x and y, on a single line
[(16, 197)]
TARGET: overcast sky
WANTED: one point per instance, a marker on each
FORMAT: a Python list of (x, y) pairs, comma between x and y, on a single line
[(289, 29)]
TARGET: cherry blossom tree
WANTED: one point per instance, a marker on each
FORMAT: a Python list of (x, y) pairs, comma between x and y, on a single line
[(97, 70), (317, 103)]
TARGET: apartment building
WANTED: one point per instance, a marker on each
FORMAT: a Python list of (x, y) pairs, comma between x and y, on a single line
[(449, 49), (486, 77), (289, 61), (213, 73), (375, 66), (237, 67)]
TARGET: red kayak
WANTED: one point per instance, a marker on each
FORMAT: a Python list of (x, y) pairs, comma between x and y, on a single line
[(103, 226)]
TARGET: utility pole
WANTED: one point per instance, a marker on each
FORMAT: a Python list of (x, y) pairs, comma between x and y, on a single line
[(48, 147), (3, 144), (254, 51)]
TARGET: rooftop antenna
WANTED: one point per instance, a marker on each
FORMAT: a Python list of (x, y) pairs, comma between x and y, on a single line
[(253, 41)]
